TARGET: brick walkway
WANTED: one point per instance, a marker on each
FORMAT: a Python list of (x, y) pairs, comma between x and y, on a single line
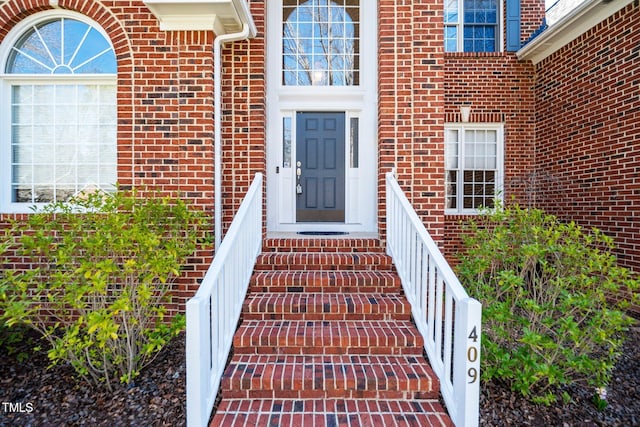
[(326, 339)]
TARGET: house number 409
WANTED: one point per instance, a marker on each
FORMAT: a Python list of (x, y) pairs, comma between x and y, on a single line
[(472, 356)]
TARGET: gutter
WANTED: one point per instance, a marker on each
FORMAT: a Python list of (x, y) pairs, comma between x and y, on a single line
[(248, 31), (217, 123)]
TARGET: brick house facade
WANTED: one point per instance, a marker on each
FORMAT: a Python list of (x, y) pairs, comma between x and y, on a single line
[(587, 157), (411, 97)]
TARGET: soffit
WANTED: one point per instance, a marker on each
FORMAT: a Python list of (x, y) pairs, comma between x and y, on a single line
[(219, 16)]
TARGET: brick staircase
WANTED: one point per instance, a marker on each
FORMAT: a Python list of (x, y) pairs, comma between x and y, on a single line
[(326, 339)]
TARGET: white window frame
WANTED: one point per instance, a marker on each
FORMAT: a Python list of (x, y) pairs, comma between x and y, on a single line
[(461, 128), (7, 81), (322, 76), (360, 101), (460, 25)]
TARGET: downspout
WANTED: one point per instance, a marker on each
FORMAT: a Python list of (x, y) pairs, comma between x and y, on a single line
[(217, 123)]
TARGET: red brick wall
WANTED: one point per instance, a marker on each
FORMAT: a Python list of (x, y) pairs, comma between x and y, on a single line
[(411, 101), (588, 131), (499, 89), (531, 16), (244, 114)]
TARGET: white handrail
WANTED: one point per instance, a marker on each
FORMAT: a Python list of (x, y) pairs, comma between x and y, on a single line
[(447, 318), (213, 313)]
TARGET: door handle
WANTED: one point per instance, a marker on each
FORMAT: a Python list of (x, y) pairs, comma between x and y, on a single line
[(298, 173)]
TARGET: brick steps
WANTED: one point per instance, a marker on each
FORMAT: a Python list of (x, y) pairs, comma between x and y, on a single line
[(325, 306), (340, 244), (312, 261), (326, 339), (330, 412), (321, 377), (376, 282)]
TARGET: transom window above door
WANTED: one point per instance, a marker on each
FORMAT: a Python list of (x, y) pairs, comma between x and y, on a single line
[(321, 43)]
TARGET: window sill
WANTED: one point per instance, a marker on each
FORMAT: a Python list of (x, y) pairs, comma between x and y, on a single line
[(463, 213)]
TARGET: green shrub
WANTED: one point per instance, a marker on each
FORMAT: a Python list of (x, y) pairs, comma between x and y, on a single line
[(94, 275), (12, 340), (552, 297), (16, 342)]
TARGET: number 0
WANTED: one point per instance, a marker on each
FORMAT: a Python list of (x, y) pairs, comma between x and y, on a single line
[(472, 354)]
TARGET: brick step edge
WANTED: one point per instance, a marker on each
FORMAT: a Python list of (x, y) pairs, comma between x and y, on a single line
[(325, 306), (317, 377), (326, 281), (306, 261), (330, 412), (341, 244), (328, 337)]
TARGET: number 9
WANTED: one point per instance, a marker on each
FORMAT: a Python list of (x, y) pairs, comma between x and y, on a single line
[(473, 373)]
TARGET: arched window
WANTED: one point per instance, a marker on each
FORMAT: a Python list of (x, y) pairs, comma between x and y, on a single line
[(59, 87), (321, 43)]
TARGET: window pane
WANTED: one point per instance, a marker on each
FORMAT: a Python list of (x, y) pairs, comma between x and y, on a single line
[(354, 141), (480, 149), (321, 42), (451, 38), (61, 151), (480, 25), (286, 142), (451, 149), (451, 179), (479, 189), (62, 46), (451, 11)]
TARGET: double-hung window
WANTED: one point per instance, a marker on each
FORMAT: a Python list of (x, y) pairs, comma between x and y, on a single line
[(58, 122), (472, 25), (473, 166)]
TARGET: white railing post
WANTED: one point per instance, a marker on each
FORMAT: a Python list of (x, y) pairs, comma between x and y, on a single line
[(214, 311), (443, 312), (466, 364)]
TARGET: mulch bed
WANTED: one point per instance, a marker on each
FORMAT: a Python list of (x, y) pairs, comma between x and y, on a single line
[(158, 396)]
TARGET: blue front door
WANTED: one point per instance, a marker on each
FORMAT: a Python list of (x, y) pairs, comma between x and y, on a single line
[(320, 167)]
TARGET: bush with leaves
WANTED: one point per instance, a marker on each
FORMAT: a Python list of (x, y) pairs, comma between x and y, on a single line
[(553, 300), (94, 275)]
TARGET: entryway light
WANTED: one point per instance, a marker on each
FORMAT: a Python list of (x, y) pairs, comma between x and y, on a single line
[(465, 112)]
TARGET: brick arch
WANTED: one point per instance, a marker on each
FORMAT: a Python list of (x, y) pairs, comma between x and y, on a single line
[(12, 13)]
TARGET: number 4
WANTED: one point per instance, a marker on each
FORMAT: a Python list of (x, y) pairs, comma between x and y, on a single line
[(473, 335)]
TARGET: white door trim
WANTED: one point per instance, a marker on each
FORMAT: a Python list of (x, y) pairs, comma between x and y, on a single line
[(356, 101)]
